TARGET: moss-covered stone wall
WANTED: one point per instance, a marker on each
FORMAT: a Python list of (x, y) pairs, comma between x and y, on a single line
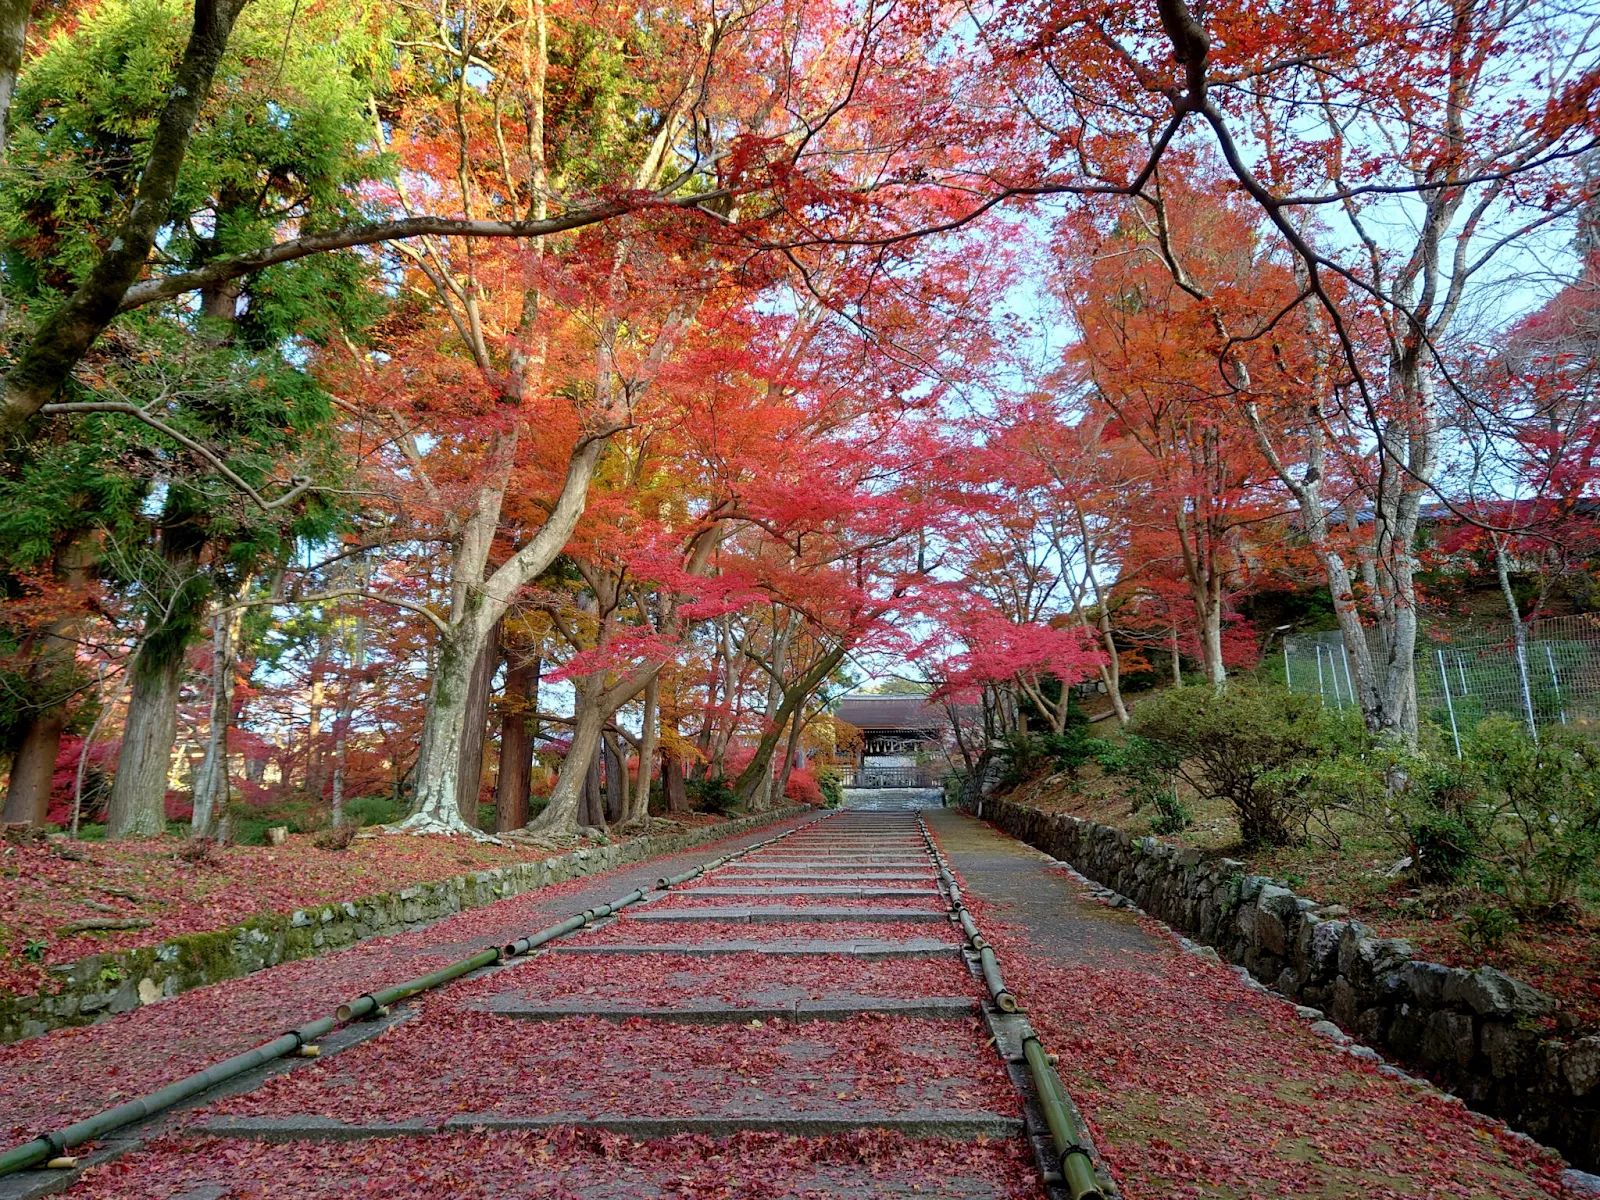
[(1480, 1033)]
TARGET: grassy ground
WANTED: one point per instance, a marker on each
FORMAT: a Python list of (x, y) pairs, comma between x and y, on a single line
[(1342, 865)]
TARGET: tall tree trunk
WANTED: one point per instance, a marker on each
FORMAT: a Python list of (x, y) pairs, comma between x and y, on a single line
[(703, 739), (616, 789), (347, 710), (593, 815), (797, 724), (569, 799), (436, 808), (640, 810), (469, 783), (33, 767), (139, 792), (748, 785), (518, 733), (316, 700), (780, 662), (52, 678), (211, 781)]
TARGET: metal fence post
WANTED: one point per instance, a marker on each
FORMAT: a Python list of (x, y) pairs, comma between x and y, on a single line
[(1444, 678), (1321, 691), (1348, 682), (1527, 694), (1288, 675), (1555, 682)]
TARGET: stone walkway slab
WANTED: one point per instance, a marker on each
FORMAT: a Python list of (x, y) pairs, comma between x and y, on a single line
[(761, 914), (929, 1124), (874, 948), (808, 889), (720, 1012)]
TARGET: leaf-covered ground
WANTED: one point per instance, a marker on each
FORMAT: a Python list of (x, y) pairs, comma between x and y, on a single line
[(674, 932), (1560, 959), (1196, 1086), (689, 899), (453, 1059), (665, 979), (45, 887), (458, 1051), (70, 1073), (564, 1163)]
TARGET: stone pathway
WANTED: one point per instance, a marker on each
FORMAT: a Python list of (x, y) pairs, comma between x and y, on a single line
[(803, 1022), (844, 1050), (1197, 1085)]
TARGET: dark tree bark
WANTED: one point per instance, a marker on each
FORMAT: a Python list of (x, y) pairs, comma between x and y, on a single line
[(616, 781), (138, 793), (519, 730), (13, 33), (33, 767), (673, 783), (593, 812), (469, 776)]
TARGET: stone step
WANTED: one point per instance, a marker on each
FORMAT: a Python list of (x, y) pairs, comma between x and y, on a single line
[(808, 889), (866, 948), (929, 1123), (831, 864), (824, 876), (720, 1012), (771, 914)]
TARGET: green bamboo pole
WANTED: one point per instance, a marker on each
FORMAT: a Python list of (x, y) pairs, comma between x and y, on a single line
[(970, 928), (534, 940), (51, 1145), (1076, 1166), (369, 1003), (1003, 999)]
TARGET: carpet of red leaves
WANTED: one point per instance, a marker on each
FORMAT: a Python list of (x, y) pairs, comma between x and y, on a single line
[(932, 902), (674, 933), (663, 979), (71, 1073), (566, 1163), (41, 891), (454, 1055), (451, 1058), (1195, 1086)]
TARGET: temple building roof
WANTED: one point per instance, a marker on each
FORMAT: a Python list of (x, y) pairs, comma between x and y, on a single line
[(910, 713)]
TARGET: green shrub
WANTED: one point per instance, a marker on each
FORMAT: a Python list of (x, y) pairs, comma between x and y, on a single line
[(374, 810), (1542, 830), (1031, 754), (1172, 814), (1484, 927), (1253, 746), (829, 784), (712, 796), (1151, 772), (1444, 846)]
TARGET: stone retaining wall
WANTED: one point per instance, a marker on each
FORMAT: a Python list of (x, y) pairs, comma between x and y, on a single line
[(1477, 1032), (101, 985)]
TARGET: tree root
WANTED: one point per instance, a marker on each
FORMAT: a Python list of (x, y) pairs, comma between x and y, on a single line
[(426, 823)]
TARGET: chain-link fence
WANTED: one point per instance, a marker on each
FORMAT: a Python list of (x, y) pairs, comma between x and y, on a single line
[(1467, 674)]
